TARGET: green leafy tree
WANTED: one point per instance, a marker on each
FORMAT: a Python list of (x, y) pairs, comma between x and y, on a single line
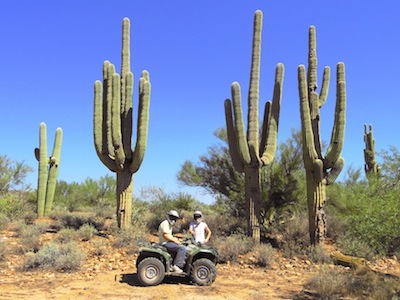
[(12, 174), (280, 184)]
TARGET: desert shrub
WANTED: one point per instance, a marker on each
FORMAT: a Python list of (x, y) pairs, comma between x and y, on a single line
[(128, 238), (100, 247), (364, 284), (292, 236), (222, 225), (3, 250), (29, 237), (66, 235), (77, 219), (264, 255), (230, 247), (4, 220), (86, 232), (355, 246), (15, 205), (65, 258)]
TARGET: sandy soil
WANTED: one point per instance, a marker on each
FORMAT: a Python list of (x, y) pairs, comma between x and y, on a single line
[(113, 276)]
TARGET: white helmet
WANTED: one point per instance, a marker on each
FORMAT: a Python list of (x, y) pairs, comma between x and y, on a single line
[(172, 216), (197, 214)]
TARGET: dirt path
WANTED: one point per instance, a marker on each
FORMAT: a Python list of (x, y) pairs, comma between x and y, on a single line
[(233, 282)]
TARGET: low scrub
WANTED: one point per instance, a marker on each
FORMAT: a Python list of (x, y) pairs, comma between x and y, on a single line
[(58, 257), (264, 255), (363, 284), (229, 248)]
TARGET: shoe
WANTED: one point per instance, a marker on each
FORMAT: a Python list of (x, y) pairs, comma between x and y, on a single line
[(176, 269)]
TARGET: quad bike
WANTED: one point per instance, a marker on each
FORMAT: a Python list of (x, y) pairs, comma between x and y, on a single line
[(154, 263)]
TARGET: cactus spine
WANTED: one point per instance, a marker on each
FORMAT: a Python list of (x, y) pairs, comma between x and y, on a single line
[(371, 167), (112, 124), (48, 170), (249, 154), (320, 170)]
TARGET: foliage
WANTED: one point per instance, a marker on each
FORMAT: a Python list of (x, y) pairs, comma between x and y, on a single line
[(281, 186), (29, 237), (364, 284), (12, 175), (90, 193), (264, 255), (371, 212), (86, 232), (230, 247), (62, 258)]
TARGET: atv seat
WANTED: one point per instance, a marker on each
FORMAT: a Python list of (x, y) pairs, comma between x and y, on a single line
[(159, 246)]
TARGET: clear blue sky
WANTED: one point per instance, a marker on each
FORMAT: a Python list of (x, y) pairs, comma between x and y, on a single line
[(52, 52)]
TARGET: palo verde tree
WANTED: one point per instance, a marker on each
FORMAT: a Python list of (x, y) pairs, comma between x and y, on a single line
[(112, 124), (249, 154), (320, 170)]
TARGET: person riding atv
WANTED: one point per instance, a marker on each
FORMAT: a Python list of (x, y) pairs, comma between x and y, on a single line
[(157, 260)]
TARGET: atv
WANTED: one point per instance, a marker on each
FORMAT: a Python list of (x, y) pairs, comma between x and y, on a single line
[(154, 263)]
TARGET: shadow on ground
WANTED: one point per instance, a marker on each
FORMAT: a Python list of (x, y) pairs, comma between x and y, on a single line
[(132, 279)]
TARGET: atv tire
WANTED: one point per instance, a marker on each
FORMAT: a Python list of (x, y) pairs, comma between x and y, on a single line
[(151, 271), (203, 272)]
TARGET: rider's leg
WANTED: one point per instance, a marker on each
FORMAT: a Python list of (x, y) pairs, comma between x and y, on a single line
[(180, 253)]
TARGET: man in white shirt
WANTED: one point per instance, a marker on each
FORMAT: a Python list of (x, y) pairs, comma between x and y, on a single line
[(172, 243), (199, 229)]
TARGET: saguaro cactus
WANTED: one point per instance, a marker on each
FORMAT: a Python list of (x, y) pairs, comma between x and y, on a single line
[(320, 170), (112, 124), (371, 167), (48, 170), (249, 154)]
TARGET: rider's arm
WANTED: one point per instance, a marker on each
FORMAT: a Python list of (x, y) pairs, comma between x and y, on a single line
[(208, 232), (171, 238)]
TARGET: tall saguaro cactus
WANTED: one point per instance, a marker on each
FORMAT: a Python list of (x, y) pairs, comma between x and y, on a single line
[(371, 167), (48, 170), (112, 124), (249, 154), (320, 170)]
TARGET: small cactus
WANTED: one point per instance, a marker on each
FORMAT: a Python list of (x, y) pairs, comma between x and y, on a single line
[(371, 167), (48, 170)]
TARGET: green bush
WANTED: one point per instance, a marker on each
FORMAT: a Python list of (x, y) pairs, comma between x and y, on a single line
[(29, 237), (230, 247), (86, 232), (129, 239), (264, 255), (66, 235), (3, 250), (372, 214), (63, 258), (364, 284)]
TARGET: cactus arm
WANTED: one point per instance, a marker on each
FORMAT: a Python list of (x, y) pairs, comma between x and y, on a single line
[(53, 171), (232, 137), (309, 152), (264, 128), (99, 129), (323, 95), (116, 123), (253, 98), (335, 171), (312, 60), (126, 117), (43, 171), (337, 138), (271, 132), (143, 122), (239, 124)]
